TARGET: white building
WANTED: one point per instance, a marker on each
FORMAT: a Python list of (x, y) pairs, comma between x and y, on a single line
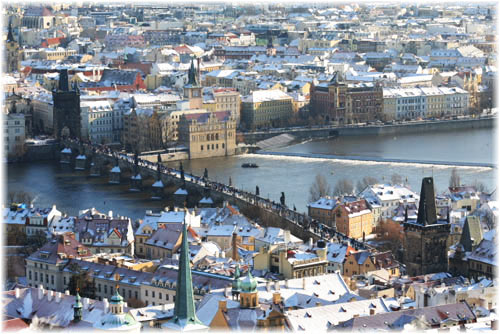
[(388, 197), (14, 134), (97, 121)]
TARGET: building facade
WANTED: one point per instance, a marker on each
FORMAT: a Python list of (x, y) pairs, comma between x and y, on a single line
[(208, 134)]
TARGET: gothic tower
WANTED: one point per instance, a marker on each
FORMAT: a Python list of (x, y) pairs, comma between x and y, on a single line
[(425, 239), (193, 89), (67, 119), (185, 318), (12, 51)]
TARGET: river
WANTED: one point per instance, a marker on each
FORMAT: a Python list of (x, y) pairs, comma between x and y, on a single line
[(74, 190)]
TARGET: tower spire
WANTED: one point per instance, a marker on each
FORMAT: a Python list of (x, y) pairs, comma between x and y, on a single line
[(427, 205), (10, 36), (77, 308), (184, 310), (192, 75)]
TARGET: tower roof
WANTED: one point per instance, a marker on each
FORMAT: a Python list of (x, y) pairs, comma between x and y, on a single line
[(63, 80), (249, 284), (192, 75), (427, 205), (184, 310), (116, 298), (10, 36)]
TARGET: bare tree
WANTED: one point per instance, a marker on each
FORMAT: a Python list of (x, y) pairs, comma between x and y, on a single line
[(20, 196), (481, 187), (319, 188), (365, 182), (343, 187), (454, 178), (396, 179), (489, 219)]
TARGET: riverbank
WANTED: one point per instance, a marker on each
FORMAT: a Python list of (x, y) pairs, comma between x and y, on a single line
[(321, 132)]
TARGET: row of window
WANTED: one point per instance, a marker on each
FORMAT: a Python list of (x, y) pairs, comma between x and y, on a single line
[(41, 277), (216, 147)]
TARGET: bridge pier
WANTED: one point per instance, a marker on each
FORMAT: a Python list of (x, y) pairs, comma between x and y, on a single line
[(66, 155), (158, 190), (80, 162), (115, 174), (95, 169), (136, 182), (180, 197)]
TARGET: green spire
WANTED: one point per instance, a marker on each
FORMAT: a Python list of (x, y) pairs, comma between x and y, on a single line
[(77, 308), (184, 311)]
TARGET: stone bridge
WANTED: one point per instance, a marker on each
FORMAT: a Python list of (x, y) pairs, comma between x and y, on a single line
[(103, 162)]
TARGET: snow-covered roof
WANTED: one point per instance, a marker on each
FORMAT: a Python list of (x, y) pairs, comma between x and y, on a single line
[(324, 203)]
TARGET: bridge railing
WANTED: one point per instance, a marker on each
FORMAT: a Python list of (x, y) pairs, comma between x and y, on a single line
[(320, 230)]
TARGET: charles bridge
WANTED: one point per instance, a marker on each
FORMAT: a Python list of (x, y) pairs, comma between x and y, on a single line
[(103, 162)]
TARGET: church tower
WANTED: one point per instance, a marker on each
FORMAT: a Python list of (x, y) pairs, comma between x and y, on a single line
[(67, 119), (193, 89), (77, 308), (12, 50), (185, 318), (425, 239)]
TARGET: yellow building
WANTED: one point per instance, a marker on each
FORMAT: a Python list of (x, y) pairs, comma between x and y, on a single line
[(362, 262), (266, 108), (208, 134), (322, 210), (354, 219), (56, 54), (291, 263), (308, 43)]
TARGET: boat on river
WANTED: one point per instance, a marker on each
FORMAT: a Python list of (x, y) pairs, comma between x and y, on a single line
[(249, 165)]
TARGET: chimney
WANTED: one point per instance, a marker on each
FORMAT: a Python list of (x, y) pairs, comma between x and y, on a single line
[(304, 283), (66, 292), (41, 291), (49, 295), (164, 308), (53, 207), (356, 316), (223, 254), (58, 297), (494, 324), (18, 293), (318, 304), (106, 305), (310, 243), (287, 236), (85, 303), (223, 305), (268, 286), (125, 304), (110, 214), (286, 283), (276, 298), (372, 311), (234, 245), (277, 285)]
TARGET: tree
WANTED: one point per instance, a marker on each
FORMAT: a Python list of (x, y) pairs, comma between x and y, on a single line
[(320, 188), (182, 172), (365, 182), (20, 196), (343, 187), (282, 198), (205, 174), (480, 186), (230, 182), (396, 179), (257, 191), (81, 281), (454, 178)]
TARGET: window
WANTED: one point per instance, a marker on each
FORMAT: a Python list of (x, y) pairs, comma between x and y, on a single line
[(201, 147), (52, 279), (29, 275), (159, 295), (105, 289), (47, 278), (36, 276), (146, 293), (152, 294), (136, 295), (129, 293), (98, 286)]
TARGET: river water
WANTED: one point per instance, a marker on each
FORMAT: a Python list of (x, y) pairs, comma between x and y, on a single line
[(74, 190)]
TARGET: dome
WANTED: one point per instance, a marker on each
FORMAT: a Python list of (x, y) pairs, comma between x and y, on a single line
[(116, 299), (249, 284)]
